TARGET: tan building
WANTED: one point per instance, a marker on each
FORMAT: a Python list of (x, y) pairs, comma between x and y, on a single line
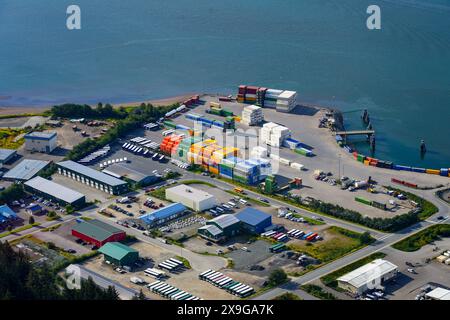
[(192, 198)]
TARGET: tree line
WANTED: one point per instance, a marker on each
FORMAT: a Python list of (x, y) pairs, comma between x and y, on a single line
[(135, 118), (71, 110), (19, 280)]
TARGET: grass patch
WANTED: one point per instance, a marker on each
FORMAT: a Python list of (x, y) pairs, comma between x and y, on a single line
[(422, 238), (287, 296), (21, 115), (185, 261), (230, 263), (330, 279), (28, 226), (159, 193), (341, 243), (188, 182), (8, 138), (318, 292), (52, 228)]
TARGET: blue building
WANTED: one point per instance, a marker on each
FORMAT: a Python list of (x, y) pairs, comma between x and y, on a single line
[(7, 215), (163, 215), (254, 221)]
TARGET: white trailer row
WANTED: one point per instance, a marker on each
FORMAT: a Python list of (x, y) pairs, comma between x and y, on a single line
[(171, 265), (279, 236), (170, 292), (224, 282), (295, 233), (155, 273)]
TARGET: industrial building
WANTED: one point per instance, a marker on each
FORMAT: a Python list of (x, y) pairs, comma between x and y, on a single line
[(254, 221), (26, 170), (438, 294), (6, 155), (97, 232), (55, 192), (370, 276), (93, 178), (122, 171), (220, 228), (119, 254), (40, 141), (192, 198), (7, 215), (163, 215)]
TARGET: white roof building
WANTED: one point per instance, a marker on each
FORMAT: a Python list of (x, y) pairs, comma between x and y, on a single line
[(439, 294), (369, 276), (195, 199)]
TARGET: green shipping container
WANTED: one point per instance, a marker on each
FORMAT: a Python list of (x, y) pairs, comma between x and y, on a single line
[(364, 201), (169, 124), (227, 113), (361, 158), (301, 151), (379, 205)]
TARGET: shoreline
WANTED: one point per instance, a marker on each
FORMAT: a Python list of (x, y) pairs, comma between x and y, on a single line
[(24, 110)]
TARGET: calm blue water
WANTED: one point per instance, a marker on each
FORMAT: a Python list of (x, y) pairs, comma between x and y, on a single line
[(142, 49)]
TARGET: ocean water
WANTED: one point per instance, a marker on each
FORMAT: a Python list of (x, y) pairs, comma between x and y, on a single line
[(146, 49)]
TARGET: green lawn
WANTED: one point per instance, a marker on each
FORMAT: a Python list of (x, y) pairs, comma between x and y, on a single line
[(318, 292), (28, 226), (337, 243), (424, 237)]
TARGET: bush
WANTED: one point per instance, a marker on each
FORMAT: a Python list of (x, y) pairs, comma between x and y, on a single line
[(277, 277), (318, 292), (287, 296)]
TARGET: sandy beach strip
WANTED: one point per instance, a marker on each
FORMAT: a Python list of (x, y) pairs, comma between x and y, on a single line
[(5, 110)]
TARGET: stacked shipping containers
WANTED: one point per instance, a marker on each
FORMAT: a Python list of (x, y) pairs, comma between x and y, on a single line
[(283, 101)]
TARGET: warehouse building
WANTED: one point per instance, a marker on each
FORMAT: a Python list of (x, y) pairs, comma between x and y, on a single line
[(163, 215), (55, 192), (211, 232), (192, 198), (254, 221), (93, 178), (220, 228), (7, 215), (40, 141), (26, 170), (370, 276), (34, 209), (121, 171), (7, 155), (438, 294), (119, 254), (97, 232)]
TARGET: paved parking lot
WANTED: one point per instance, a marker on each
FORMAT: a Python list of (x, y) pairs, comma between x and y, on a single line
[(408, 285)]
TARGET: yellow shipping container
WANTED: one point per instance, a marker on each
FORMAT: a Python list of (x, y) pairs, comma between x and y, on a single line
[(214, 170), (433, 171), (366, 162), (215, 105)]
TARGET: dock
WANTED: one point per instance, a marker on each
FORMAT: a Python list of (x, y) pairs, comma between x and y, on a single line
[(345, 134)]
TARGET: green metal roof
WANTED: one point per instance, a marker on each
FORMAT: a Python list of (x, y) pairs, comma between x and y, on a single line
[(96, 229), (116, 250)]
